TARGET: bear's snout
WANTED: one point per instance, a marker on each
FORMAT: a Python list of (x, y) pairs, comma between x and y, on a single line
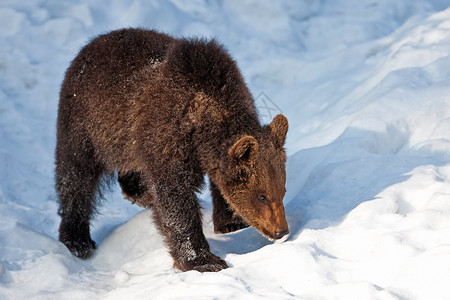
[(274, 224)]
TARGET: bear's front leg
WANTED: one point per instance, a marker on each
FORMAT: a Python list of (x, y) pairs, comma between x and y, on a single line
[(178, 217), (224, 218)]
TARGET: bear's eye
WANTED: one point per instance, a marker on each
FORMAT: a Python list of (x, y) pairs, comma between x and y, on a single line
[(262, 198)]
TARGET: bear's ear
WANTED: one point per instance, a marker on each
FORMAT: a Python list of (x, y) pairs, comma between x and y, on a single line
[(278, 129), (244, 150)]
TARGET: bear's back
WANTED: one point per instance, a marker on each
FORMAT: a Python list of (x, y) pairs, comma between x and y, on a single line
[(111, 60)]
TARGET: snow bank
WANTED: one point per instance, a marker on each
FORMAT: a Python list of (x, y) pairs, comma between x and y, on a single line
[(365, 86)]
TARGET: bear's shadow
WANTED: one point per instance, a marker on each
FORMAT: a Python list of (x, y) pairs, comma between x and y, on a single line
[(240, 242)]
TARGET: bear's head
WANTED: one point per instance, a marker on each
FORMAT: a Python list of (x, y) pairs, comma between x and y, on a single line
[(255, 178)]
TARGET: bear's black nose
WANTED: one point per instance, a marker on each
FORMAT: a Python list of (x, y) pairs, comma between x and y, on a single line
[(281, 233)]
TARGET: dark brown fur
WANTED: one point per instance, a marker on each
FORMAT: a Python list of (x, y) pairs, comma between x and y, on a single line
[(164, 112)]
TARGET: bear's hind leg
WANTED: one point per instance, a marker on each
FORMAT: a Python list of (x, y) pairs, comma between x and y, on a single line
[(134, 188), (77, 181), (224, 218)]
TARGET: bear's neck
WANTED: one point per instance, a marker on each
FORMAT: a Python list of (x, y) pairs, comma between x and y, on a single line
[(217, 136)]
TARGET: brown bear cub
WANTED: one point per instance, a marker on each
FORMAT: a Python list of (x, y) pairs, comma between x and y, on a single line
[(162, 113)]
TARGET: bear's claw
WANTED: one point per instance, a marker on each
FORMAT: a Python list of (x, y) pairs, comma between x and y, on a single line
[(81, 249), (216, 267), (207, 262), (231, 228)]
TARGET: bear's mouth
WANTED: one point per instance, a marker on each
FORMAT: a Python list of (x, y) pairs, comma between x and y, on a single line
[(272, 236), (282, 239)]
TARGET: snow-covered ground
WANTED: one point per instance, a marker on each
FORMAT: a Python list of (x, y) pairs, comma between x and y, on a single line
[(366, 88)]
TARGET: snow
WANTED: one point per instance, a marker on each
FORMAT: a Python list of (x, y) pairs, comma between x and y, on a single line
[(365, 86)]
